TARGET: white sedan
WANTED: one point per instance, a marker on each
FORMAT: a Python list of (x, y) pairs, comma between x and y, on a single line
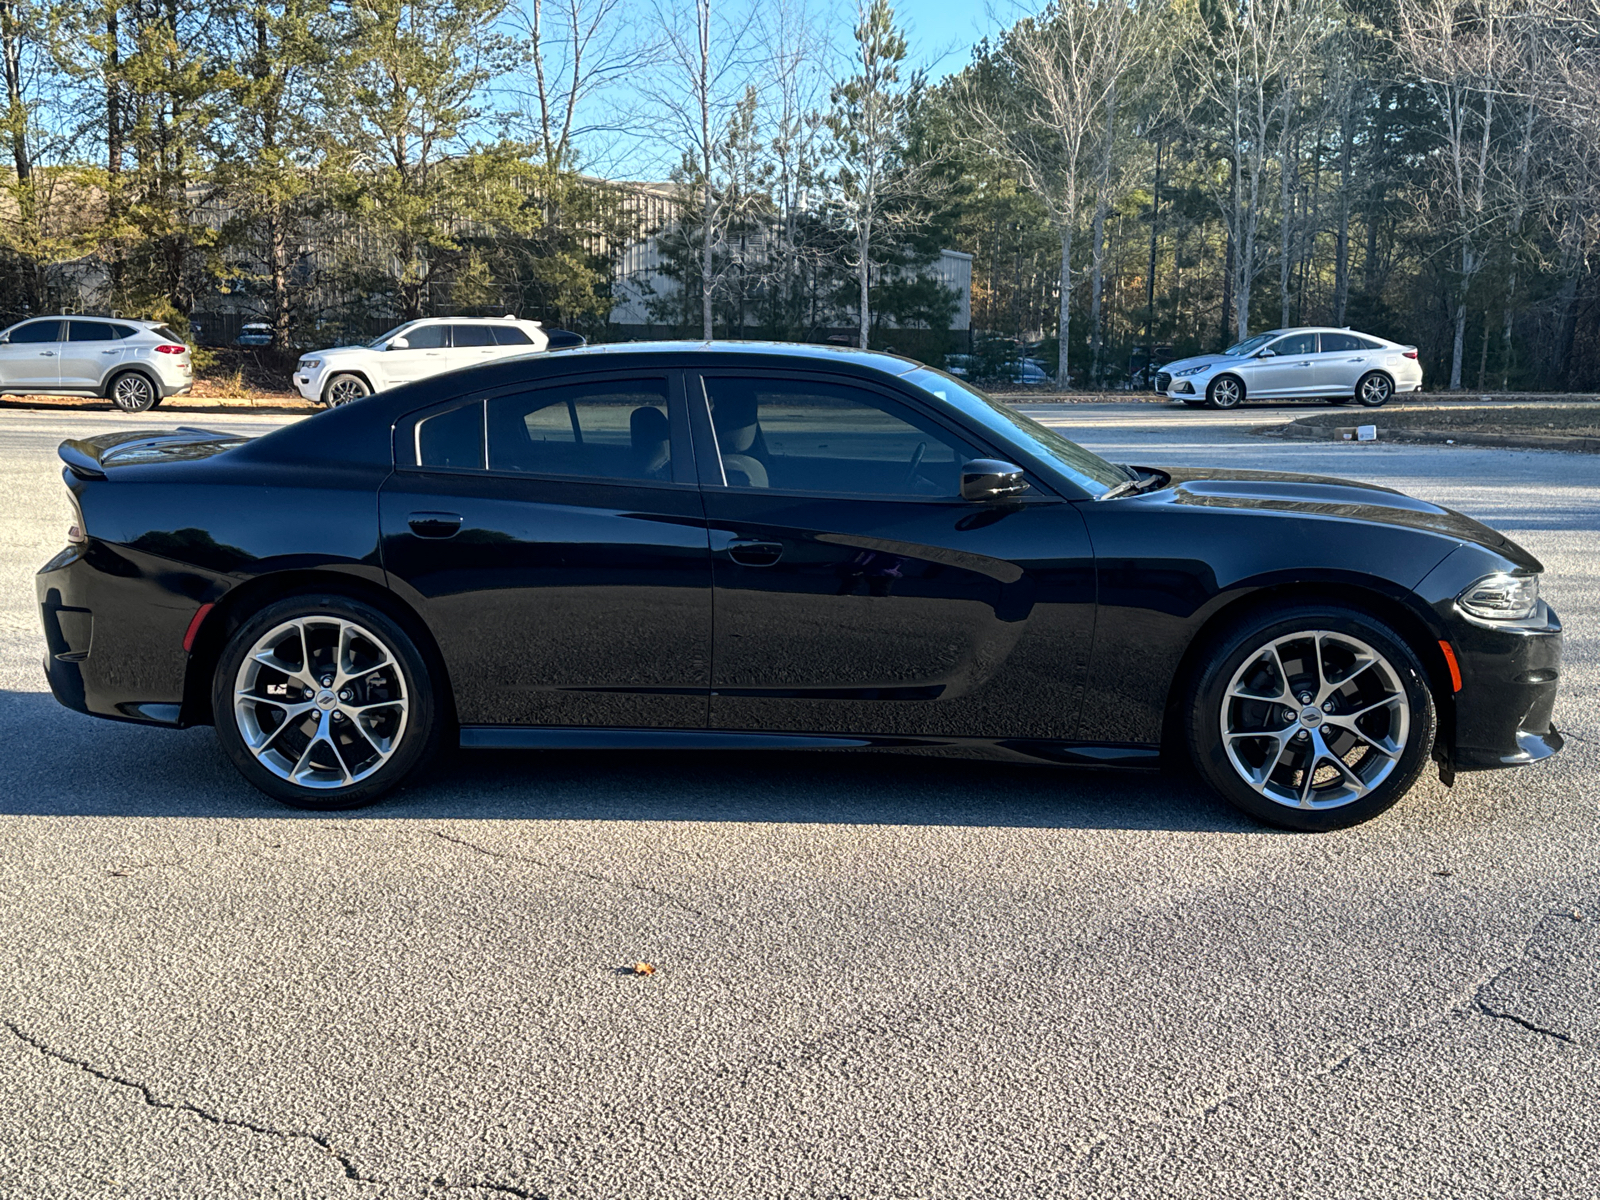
[(1335, 365), (415, 350)]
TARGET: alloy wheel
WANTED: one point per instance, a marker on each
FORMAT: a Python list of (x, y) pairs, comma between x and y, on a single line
[(133, 393), (320, 701), (1225, 393), (1315, 719), (1375, 390), (345, 389)]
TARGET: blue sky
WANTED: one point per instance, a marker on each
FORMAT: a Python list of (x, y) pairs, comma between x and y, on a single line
[(941, 33)]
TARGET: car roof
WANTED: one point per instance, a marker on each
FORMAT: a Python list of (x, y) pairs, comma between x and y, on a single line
[(441, 320), (733, 351)]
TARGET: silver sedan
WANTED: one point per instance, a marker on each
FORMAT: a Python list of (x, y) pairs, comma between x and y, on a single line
[(1336, 365)]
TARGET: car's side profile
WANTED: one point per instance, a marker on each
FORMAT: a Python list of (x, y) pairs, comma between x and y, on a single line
[(1336, 365), (783, 547), (415, 350), (134, 364)]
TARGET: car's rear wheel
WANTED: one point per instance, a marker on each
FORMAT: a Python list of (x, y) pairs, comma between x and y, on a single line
[(1374, 389), (1310, 717), (133, 392), (342, 389), (1225, 391), (324, 702)]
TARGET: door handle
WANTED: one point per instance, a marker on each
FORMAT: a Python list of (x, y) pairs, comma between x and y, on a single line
[(434, 524), (47, 353), (754, 554), (1355, 360), (1304, 364), (110, 352)]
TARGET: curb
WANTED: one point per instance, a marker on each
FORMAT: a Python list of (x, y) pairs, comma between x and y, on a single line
[(1295, 431)]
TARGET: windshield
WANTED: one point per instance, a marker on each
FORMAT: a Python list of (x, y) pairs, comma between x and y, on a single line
[(1250, 345), (1089, 471), (379, 342)]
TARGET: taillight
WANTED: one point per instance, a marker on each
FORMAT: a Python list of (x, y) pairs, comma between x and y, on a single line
[(1409, 353), (75, 534), (172, 349)]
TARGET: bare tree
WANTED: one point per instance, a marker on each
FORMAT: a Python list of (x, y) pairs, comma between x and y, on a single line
[(574, 48), (1042, 97)]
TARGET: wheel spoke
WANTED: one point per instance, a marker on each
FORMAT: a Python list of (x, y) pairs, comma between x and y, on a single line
[(1349, 726)]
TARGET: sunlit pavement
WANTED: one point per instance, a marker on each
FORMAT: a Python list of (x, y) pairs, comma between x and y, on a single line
[(876, 976)]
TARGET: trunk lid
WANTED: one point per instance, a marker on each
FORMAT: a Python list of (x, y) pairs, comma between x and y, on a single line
[(92, 458)]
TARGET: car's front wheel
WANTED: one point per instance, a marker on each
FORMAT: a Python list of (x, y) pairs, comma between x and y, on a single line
[(1310, 717), (1225, 392), (324, 702), (342, 389), (132, 392)]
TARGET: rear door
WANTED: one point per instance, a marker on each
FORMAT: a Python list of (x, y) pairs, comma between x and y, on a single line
[(554, 542), (471, 344), (31, 356), (856, 592), (92, 348), (1342, 361)]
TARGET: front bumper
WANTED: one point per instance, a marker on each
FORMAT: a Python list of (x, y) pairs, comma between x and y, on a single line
[(1509, 677), (309, 386)]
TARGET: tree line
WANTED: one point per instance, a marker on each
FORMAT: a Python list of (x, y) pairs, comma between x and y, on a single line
[(1134, 179)]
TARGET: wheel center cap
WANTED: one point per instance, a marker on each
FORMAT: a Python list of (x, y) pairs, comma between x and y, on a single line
[(326, 700), (1310, 716)]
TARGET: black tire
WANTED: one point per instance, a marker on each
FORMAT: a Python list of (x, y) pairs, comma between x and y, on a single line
[(342, 389), (329, 748), (1374, 389), (1225, 391), (1398, 681), (132, 391)]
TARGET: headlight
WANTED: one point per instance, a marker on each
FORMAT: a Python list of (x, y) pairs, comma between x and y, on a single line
[(1191, 371), (1501, 597), (310, 364)]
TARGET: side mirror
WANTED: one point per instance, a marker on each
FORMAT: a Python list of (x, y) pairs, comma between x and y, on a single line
[(398, 343), (991, 479), (1267, 354)]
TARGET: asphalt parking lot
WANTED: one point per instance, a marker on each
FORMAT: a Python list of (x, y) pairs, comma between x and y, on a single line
[(876, 976)]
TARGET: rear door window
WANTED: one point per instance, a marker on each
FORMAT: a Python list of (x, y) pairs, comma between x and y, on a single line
[(471, 335), (1341, 343), (452, 440), (90, 331), (614, 429)]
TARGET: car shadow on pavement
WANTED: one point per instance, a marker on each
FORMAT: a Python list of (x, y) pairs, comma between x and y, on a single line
[(62, 764)]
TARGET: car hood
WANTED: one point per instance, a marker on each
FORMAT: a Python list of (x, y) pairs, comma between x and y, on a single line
[(1199, 360), (339, 353), (1322, 496)]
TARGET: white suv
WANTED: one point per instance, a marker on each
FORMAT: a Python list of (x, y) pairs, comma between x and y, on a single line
[(134, 364), (413, 351)]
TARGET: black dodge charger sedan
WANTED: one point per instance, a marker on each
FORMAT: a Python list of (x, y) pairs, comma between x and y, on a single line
[(784, 547)]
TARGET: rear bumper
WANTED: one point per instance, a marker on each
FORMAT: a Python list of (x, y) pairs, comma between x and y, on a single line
[(1509, 678)]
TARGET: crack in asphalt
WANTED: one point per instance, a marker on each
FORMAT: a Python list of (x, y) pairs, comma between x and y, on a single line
[(1468, 1000), (668, 897), (151, 1100)]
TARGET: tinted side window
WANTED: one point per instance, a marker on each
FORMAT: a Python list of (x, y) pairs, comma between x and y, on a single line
[(1332, 342), (167, 332), (817, 437), (90, 331), (1295, 343), (472, 335), (36, 331), (452, 439), (510, 335), (599, 430), (123, 331), (1369, 344), (428, 337)]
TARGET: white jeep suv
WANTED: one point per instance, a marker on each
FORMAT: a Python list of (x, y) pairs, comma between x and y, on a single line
[(134, 364), (413, 351)]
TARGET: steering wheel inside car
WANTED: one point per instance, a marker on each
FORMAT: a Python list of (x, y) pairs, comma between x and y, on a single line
[(916, 461)]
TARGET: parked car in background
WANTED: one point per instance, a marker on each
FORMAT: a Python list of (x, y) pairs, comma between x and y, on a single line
[(134, 364), (415, 350), (1336, 365), (1028, 372), (254, 334)]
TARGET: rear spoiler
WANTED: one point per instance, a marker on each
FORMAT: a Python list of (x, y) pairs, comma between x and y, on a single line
[(88, 458)]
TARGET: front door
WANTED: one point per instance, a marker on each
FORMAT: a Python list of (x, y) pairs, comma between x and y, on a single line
[(554, 542), (1287, 372), (425, 353), (856, 592), (31, 356)]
